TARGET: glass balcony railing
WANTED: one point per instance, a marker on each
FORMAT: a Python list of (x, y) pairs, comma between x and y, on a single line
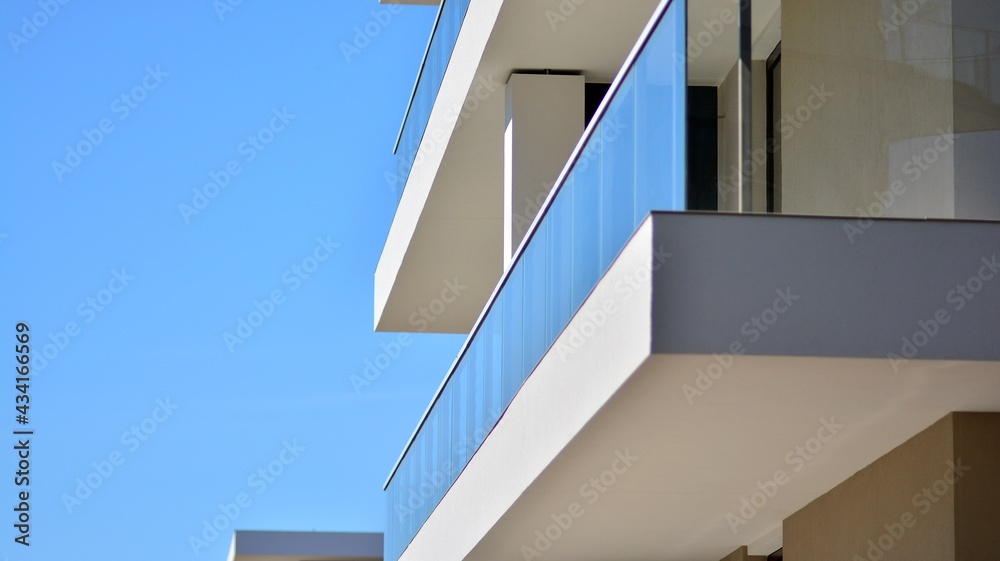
[(451, 15), (631, 161)]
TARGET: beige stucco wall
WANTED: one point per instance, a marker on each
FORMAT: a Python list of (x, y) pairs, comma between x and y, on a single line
[(840, 524), (891, 95), (936, 497)]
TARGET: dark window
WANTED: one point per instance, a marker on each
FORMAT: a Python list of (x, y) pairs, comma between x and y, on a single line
[(703, 148), (774, 131), (593, 95)]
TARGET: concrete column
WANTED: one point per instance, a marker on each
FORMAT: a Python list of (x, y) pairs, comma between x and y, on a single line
[(545, 117), (736, 180)]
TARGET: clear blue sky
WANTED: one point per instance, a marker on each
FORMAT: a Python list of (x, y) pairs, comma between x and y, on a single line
[(76, 226)]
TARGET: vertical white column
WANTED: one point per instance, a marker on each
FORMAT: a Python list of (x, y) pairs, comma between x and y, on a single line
[(545, 120)]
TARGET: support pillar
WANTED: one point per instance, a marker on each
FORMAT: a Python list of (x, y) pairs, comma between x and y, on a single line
[(544, 123)]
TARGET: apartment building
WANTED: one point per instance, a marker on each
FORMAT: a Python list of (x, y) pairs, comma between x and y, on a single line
[(731, 281)]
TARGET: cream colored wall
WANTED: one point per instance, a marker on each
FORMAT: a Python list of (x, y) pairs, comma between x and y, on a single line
[(890, 99), (840, 524), (936, 497)]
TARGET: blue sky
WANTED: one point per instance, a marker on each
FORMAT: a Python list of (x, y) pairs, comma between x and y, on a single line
[(287, 140)]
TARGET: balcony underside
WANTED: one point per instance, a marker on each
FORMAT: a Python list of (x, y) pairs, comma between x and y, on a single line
[(449, 221), (650, 380)]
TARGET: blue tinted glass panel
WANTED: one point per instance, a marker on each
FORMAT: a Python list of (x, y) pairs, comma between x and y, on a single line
[(560, 261), (632, 163), (661, 85), (513, 324), (535, 267), (435, 63), (460, 415), (587, 218), (492, 336), (477, 394), (618, 173)]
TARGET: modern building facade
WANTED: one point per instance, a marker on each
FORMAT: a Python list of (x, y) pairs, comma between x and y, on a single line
[(729, 274)]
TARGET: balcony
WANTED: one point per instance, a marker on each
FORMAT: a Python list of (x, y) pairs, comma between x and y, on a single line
[(444, 35), (524, 414), (448, 223), (630, 161)]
